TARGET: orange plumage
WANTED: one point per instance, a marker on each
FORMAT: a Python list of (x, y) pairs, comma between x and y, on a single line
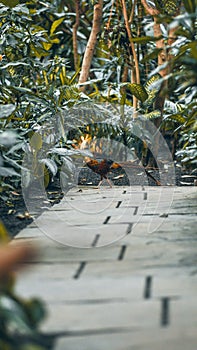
[(102, 168)]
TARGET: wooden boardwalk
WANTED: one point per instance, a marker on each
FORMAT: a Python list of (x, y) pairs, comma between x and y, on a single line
[(130, 281)]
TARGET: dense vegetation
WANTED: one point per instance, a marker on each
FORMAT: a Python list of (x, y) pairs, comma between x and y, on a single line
[(144, 62)]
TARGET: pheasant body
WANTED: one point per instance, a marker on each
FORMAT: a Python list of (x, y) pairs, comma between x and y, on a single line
[(101, 168)]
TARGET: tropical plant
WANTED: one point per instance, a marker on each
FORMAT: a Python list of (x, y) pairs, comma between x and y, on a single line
[(140, 47), (183, 67), (34, 88)]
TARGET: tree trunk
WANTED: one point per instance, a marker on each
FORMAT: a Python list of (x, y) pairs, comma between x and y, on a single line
[(163, 57), (89, 52)]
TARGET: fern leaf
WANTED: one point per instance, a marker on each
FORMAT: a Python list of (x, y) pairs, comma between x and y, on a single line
[(177, 118), (168, 7), (190, 5), (153, 115), (137, 90), (154, 83), (171, 7)]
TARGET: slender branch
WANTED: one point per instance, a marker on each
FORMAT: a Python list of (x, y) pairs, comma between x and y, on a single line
[(151, 11), (136, 71), (75, 28), (132, 12), (110, 16), (131, 43), (89, 52), (162, 56)]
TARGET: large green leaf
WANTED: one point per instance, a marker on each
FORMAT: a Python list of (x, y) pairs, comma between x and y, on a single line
[(55, 24), (137, 90), (13, 64), (21, 90), (152, 87), (190, 5), (10, 3), (177, 118), (36, 141), (153, 82), (145, 39), (153, 115)]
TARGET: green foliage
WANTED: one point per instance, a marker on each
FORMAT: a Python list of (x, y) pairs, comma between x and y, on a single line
[(34, 87), (152, 88), (185, 76), (168, 7), (137, 90), (188, 154), (10, 3), (153, 115), (190, 6)]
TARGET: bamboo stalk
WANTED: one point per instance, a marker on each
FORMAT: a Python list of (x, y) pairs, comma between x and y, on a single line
[(75, 28)]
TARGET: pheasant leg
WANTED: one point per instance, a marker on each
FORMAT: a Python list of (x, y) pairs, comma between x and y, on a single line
[(109, 182)]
